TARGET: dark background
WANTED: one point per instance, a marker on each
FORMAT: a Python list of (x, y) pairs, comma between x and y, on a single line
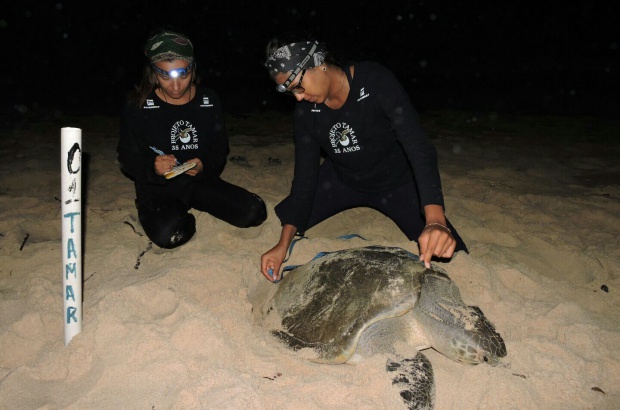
[(82, 57)]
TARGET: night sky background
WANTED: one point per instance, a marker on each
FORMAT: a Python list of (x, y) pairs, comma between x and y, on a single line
[(547, 57)]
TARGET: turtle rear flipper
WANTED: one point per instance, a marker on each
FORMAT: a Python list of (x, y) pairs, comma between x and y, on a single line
[(414, 376)]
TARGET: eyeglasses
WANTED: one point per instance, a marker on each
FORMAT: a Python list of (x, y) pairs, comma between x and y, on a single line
[(175, 72), (298, 89)]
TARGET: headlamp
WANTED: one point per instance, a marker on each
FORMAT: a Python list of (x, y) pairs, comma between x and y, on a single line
[(175, 72)]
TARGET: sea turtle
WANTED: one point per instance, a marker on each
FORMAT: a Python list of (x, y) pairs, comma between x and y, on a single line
[(374, 299)]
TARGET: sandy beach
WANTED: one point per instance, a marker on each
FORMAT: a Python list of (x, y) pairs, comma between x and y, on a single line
[(536, 199)]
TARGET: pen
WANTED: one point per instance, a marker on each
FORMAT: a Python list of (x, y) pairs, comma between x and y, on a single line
[(160, 152)]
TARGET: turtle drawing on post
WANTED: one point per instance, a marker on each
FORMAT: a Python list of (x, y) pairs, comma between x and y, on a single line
[(351, 303)]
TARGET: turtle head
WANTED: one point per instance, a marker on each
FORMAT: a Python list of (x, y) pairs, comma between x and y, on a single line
[(478, 344)]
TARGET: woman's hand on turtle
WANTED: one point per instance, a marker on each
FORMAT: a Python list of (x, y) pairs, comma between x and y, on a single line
[(436, 240), (271, 262)]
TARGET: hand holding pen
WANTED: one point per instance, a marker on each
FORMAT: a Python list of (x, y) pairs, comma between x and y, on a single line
[(164, 163)]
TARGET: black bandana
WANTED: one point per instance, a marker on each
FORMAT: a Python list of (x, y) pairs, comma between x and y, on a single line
[(296, 57)]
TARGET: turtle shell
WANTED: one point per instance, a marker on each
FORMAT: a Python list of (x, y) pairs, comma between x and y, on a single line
[(326, 304)]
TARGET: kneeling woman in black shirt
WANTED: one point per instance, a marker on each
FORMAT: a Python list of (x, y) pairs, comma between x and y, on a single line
[(376, 152), (172, 120)]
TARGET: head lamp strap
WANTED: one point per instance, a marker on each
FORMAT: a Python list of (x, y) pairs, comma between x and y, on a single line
[(295, 57), (300, 67), (175, 72)]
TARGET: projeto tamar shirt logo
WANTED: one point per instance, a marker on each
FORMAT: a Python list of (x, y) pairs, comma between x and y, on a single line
[(183, 135), (343, 139)]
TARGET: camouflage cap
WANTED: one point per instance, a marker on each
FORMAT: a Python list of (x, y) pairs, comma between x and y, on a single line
[(168, 45)]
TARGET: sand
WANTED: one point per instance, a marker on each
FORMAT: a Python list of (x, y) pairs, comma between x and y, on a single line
[(536, 200)]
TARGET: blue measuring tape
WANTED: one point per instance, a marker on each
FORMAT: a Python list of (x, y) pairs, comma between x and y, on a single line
[(318, 255)]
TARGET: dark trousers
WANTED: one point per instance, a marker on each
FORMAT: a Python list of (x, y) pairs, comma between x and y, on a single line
[(400, 204), (168, 224)]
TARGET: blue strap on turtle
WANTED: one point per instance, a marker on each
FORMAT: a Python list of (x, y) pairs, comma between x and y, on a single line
[(318, 255)]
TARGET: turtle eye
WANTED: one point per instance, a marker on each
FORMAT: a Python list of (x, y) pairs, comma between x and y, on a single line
[(486, 359)]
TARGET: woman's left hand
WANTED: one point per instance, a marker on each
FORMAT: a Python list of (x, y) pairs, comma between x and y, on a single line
[(436, 238), (197, 169)]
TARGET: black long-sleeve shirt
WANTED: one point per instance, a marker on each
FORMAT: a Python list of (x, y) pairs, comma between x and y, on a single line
[(192, 130), (374, 140)]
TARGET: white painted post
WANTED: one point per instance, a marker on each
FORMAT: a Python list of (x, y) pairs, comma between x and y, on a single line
[(71, 219)]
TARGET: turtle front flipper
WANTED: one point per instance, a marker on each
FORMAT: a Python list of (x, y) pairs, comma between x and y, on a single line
[(415, 379)]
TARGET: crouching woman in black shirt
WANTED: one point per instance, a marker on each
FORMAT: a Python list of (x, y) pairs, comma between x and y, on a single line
[(376, 152), (171, 120)]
